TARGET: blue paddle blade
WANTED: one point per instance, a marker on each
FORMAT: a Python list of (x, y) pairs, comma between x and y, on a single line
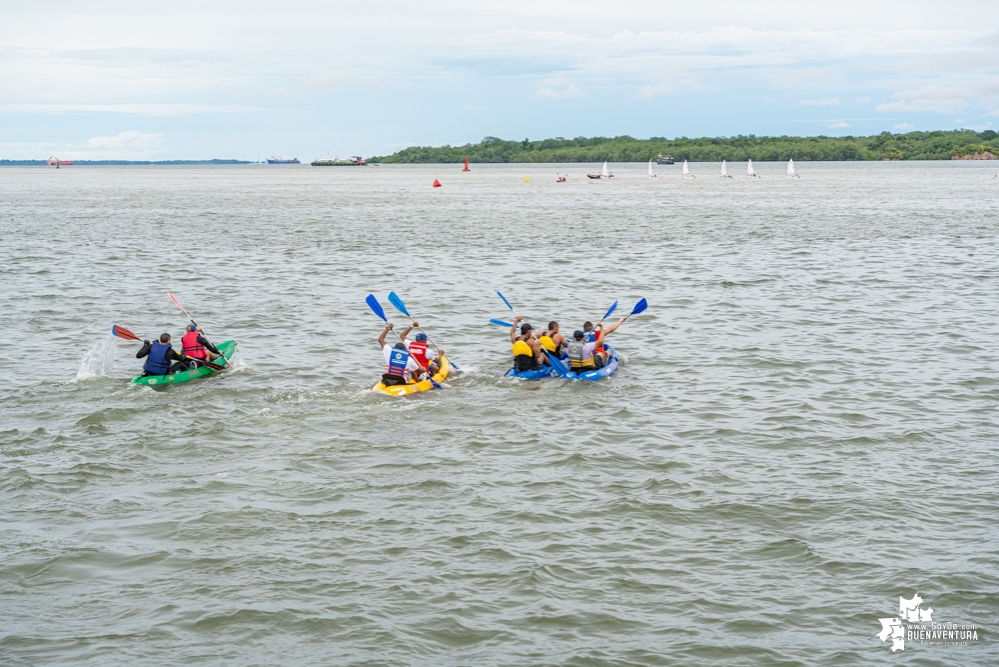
[(399, 305), (501, 323), (504, 300), (435, 384), (375, 307), (558, 365), (609, 311), (639, 307)]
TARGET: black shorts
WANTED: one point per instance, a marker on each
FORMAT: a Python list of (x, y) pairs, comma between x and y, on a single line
[(525, 363), (392, 380)]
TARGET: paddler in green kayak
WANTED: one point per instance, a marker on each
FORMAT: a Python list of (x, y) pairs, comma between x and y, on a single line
[(159, 354), (197, 346)]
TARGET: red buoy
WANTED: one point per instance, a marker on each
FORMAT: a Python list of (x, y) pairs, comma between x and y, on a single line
[(466, 163), (437, 183)]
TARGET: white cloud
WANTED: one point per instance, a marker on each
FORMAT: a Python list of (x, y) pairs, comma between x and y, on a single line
[(93, 61), (840, 125), (674, 81), (133, 109), (326, 82), (558, 88), (934, 97), (129, 139), (903, 127)]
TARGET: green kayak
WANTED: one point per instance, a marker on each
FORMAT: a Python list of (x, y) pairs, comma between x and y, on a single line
[(227, 349)]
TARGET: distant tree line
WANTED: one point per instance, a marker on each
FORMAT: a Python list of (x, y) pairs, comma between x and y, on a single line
[(937, 145)]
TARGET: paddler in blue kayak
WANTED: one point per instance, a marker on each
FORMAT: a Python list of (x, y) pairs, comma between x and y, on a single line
[(527, 352), (400, 366), (553, 341), (159, 354), (586, 349)]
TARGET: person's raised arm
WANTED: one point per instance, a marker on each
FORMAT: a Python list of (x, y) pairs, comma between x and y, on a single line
[(612, 328), (513, 329), (144, 350), (412, 326), (381, 338)]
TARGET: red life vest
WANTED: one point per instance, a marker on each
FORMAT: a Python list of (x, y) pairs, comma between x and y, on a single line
[(192, 347), (418, 348)]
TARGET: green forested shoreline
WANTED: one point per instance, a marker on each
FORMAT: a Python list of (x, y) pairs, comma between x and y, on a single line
[(937, 145)]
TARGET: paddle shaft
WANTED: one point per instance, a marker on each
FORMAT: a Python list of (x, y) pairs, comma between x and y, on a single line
[(174, 299), (401, 307)]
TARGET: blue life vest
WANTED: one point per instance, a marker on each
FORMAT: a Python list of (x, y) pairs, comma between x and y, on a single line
[(590, 336), (157, 362), (397, 362)]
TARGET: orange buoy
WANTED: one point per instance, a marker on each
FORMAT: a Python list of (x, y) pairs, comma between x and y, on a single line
[(466, 163), (437, 183)]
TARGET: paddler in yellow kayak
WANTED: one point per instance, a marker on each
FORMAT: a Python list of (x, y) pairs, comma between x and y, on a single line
[(400, 366)]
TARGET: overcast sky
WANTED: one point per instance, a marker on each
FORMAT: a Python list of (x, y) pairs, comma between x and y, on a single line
[(199, 80)]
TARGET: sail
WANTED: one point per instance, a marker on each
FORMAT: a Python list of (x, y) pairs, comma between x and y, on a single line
[(650, 167), (686, 171), (749, 169), (724, 169), (790, 167), (605, 172)]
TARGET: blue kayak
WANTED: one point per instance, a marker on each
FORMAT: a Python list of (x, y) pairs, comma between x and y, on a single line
[(598, 373), (544, 372)]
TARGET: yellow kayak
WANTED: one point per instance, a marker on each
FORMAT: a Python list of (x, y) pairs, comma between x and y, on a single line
[(415, 387)]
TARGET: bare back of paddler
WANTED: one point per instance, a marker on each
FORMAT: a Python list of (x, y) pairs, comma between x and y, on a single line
[(552, 341)]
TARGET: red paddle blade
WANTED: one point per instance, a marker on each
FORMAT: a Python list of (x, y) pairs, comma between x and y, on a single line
[(214, 367), (122, 332), (174, 299)]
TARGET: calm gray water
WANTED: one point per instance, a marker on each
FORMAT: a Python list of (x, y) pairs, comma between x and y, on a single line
[(803, 427)]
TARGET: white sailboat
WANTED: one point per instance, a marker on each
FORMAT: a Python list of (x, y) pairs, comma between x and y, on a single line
[(686, 171), (724, 170), (790, 169), (749, 170), (605, 173), (651, 175)]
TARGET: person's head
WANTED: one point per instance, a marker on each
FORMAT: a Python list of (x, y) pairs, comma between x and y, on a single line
[(587, 326), (400, 346), (421, 336), (165, 338), (578, 335), (525, 329), (192, 327), (553, 326)]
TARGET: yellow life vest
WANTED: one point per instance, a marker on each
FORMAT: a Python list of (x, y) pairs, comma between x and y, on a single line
[(520, 348), (547, 343)]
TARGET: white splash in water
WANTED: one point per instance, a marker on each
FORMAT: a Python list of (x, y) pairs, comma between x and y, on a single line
[(98, 362)]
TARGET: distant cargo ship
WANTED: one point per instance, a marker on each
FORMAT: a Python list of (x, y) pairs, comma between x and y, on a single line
[(55, 162), (356, 161), (281, 160)]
